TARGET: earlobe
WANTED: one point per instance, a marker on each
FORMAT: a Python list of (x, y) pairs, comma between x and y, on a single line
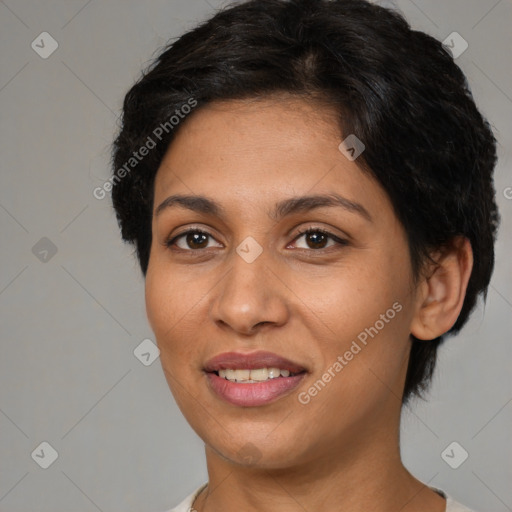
[(441, 292)]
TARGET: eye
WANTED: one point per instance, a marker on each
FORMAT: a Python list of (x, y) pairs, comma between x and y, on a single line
[(195, 239), (316, 238), (190, 240)]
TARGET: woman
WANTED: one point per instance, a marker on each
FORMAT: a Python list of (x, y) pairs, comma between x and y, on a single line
[(308, 185)]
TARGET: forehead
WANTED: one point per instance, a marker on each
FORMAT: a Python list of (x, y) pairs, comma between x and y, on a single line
[(256, 150)]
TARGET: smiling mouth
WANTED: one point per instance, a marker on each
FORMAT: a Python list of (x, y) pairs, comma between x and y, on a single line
[(246, 376), (252, 379)]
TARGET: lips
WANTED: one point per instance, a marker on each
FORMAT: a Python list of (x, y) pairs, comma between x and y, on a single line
[(250, 393), (239, 361)]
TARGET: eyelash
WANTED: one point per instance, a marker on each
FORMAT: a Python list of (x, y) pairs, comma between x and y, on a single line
[(169, 243)]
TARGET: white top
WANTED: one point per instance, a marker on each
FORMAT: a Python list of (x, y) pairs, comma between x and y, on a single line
[(186, 504)]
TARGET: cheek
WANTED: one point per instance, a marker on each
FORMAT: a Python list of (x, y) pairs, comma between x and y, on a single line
[(167, 302), (175, 306), (367, 310), (169, 292), (166, 309), (350, 297), (159, 299)]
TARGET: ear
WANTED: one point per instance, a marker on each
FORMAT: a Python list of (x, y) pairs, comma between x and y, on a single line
[(442, 290)]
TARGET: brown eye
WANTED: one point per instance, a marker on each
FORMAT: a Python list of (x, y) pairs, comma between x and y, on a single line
[(319, 239), (191, 240), (316, 240), (196, 240)]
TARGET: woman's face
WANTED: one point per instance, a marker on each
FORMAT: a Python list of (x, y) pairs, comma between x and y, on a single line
[(245, 290)]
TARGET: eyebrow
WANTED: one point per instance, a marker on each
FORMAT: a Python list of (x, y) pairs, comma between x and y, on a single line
[(202, 204)]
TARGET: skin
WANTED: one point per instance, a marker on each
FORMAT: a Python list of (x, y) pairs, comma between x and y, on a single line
[(340, 451)]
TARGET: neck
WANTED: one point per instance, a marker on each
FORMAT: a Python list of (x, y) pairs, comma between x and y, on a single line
[(351, 477)]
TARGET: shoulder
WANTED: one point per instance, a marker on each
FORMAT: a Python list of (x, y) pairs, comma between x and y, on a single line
[(453, 506), (186, 504)]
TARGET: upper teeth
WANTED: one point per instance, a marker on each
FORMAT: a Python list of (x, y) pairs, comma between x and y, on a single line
[(248, 376)]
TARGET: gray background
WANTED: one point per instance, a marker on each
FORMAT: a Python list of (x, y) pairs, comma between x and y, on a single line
[(71, 321)]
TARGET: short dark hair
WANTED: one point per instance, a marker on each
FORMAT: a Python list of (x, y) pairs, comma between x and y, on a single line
[(397, 89)]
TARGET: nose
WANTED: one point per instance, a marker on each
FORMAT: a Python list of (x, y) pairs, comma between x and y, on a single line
[(250, 297)]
